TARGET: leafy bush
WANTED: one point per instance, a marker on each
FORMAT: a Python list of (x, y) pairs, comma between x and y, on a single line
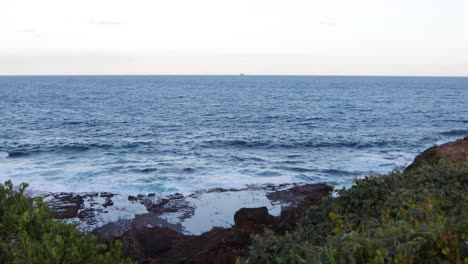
[(28, 234), (419, 216)]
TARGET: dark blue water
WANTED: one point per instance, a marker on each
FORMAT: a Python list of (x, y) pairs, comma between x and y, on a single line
[(132, 134)]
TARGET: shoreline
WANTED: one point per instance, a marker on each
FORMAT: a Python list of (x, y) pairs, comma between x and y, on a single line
[(109, 214), (180, 229)]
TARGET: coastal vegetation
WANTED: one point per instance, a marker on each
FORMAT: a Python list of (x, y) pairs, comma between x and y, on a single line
[(29, 234), (416, 216)]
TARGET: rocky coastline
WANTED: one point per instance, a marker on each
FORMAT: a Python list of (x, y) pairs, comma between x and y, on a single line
[(214, 226)]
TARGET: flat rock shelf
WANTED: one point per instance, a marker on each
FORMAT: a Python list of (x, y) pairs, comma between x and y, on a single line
[(214, 226), (111, 214)]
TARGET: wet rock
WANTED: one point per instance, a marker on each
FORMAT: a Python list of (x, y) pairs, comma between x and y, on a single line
[(108, 202), (456, 151), (87, 216), (65, 205), (173, 203), (225, 245), (152, 228), (154, 220), (176, 196), (253, 215), (106, 194)]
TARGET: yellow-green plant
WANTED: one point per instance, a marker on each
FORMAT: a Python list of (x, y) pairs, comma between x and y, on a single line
[(418, 216)]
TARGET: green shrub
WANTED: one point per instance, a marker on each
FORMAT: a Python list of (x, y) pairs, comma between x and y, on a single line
[(28, 234), (419, 216)]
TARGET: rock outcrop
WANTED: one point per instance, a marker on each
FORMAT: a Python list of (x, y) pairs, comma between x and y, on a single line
[(66, 205), (220, 245), (214, 226), (456, 151), (205, 227)]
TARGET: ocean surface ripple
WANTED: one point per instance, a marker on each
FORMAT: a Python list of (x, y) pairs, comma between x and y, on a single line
[(164, 134)]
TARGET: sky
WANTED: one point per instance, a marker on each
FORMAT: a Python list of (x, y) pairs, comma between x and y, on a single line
[(294, 37)]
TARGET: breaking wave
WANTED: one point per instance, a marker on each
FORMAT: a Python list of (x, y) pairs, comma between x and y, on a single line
[(455, 132)]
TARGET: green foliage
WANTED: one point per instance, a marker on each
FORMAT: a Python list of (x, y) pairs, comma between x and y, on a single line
[(28, 234), (419, 216)]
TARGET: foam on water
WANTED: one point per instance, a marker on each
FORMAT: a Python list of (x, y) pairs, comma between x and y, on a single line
[(166, 134)]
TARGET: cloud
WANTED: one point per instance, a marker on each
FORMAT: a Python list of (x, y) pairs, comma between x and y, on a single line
[(31, 32), (106, 22), (28, 30), (328, 23)]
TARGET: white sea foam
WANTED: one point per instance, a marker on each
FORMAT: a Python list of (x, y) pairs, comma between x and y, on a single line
[(122, 209), (3, 155), (188, 141), (67, 177)]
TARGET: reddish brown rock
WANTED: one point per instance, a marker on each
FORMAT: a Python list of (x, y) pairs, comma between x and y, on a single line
[(456, 151), (225, 245), (148, 242), (150, 238), (253, 215), (220, 245)]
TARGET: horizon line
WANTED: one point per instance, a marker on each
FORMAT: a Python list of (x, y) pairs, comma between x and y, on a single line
[(240, 75)]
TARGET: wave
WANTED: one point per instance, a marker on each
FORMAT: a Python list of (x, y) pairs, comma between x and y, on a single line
[(148, 170), (242, 159), (335, 172), (295, 169), (307, 178), (189, 170), (27, 150), (4, 155), (72, 123), (268, 173), (457, 120), (17, 154), (237, 143), (455, 132)]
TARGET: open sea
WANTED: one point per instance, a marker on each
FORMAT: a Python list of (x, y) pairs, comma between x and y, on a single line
[(166, 134)]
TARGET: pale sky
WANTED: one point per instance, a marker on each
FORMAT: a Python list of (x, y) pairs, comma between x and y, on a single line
[(294, 37)]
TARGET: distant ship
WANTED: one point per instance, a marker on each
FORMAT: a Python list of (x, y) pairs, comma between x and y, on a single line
[(241, 74)]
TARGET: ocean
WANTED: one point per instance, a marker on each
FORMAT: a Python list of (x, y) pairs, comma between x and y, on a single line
[(167, 134)]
